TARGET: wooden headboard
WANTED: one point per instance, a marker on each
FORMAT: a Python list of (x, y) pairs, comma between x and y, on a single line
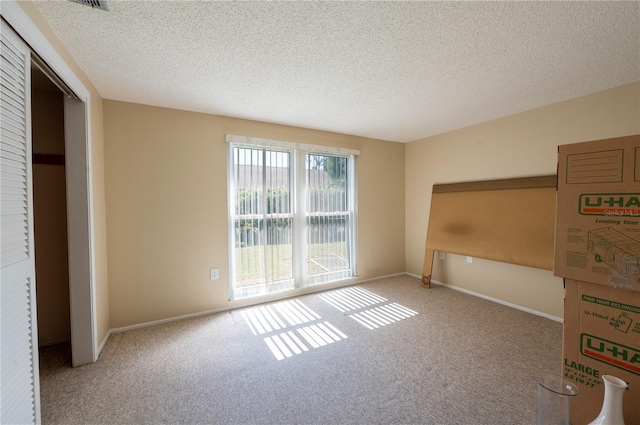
[(509, 220)]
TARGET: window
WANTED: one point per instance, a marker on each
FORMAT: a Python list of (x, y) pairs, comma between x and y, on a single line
[(292, 215)]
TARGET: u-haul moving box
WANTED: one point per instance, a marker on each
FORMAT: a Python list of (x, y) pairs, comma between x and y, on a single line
[(601, 337), (597, 235), (597, 252)]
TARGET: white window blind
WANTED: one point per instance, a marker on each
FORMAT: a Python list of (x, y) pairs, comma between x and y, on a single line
[(19, 392), (292, 215)]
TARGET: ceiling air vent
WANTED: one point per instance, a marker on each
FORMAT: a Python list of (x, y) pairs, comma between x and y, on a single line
[(96, 4)]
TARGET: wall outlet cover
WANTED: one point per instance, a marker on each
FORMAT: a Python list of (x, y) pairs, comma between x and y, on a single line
[(213, 274)]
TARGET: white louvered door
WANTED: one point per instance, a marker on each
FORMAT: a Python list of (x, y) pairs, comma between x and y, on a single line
[(20, 392)]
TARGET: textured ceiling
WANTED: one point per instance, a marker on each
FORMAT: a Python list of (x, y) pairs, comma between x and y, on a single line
[(396, 71)]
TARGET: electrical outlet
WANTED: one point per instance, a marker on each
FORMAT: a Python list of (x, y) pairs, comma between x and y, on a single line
[(469, 260), (441, 255), (213, 273)]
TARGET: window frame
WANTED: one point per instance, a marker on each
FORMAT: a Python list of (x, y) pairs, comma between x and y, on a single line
[(298, 192)]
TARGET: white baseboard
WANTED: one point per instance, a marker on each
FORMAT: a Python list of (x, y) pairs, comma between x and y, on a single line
[(103, 343), (167, 320), (249, 303), (495, 300)]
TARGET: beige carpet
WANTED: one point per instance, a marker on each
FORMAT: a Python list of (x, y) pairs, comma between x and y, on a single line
[(383, 352)]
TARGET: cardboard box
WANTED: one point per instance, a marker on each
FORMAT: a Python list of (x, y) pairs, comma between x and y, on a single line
[(597, 237), (601, 337)]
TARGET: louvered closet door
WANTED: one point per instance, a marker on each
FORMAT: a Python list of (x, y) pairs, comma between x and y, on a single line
[(20, 396)]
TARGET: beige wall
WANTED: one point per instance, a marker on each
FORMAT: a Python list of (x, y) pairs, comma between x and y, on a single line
[(520, 145), (97, 174), (166, 191)]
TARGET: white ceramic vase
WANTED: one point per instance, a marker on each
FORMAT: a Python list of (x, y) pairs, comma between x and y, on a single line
[(611, 413)]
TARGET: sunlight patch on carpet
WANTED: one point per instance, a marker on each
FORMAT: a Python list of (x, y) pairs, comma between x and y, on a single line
[(358, 303), (273, 317), (383, 315), (350, 299), (272, 320), (287, 344)]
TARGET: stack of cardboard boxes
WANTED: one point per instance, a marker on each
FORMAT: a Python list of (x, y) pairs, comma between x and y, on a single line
[(597, 252)]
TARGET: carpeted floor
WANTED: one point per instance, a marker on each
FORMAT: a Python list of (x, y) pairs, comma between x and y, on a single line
[(383, 352)]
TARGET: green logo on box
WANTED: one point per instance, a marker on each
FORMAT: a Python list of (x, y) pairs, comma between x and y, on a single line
[(618, 355), (610, 204)]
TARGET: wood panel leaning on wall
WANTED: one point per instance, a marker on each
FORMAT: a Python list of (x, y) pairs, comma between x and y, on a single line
[(509, 220)]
